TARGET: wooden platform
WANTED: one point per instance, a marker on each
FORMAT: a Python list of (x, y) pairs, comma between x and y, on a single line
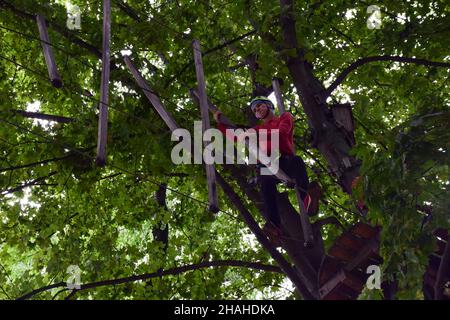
[(342, 275)]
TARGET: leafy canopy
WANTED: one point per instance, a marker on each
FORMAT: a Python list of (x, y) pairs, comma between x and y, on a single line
[(102, 219)]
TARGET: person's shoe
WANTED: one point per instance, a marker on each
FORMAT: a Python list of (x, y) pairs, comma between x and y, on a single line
[(273, 233), (311, 201)]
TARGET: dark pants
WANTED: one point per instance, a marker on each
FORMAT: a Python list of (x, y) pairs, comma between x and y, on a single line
[(295, 168)]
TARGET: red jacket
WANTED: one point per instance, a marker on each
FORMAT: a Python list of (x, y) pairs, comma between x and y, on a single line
[(285, 125)]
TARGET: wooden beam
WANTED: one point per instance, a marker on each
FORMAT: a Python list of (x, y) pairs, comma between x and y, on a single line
[(278, 95), (104, 87), (210, 172), (53, 74), (363, 254), (151, 96), (332, 283)]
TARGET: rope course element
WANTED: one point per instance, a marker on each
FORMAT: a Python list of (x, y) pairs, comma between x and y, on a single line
[(89, 96)]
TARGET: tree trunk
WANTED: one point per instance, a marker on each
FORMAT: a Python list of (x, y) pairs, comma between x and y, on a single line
[(328, 138)]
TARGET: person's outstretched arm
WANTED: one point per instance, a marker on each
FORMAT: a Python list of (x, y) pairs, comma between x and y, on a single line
[(222, 126)]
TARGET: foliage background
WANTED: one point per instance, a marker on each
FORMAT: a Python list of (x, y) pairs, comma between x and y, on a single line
[(101, 218)]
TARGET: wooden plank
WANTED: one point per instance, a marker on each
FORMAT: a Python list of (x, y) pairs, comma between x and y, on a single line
[(330, 267), (341, 285), (372, 259), (355, 249), (104, 87), (341, 254), (53, 73), (349, 240), (151, 96), (364, 230), (212, 108), (372, 245), (210, 172), (354, 282), (306, 224), (278, 95), (342, 114), (331, 284)]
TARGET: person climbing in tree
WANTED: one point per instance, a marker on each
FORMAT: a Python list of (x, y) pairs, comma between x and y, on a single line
[(290, 163)]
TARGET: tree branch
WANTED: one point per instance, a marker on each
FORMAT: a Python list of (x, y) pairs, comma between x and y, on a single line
[(28, 165), (209, 51), (339, 32), (35, 292), (264, 35), (365, 60), (229, 42), (27, 184), (43, 116), (129, 11), (172, 271)]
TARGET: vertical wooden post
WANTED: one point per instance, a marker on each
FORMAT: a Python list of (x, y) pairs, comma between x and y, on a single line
[(151, 96), (210, 172), (104, 86), (53, 74), (306, 224), (278, 95)]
